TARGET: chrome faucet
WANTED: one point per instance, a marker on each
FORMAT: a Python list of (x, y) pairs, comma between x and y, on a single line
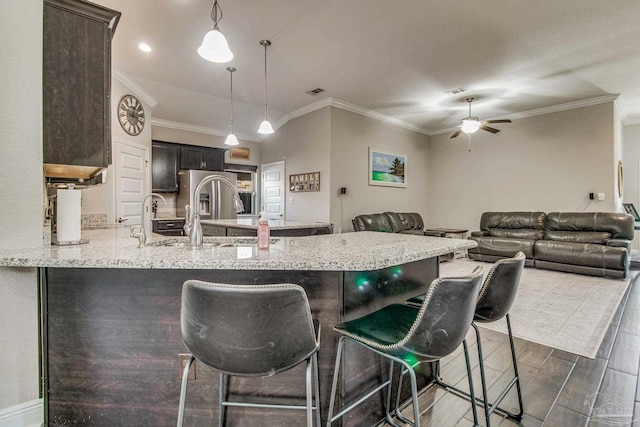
[(195, 233), (141, 234)]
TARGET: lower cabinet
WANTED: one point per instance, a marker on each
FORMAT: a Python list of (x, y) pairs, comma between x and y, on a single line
[(213, 230), (168, 227)]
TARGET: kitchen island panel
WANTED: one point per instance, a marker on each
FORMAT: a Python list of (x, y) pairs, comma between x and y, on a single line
[(113, 336)]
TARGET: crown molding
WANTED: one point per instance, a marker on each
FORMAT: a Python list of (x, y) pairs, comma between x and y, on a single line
[(546, 110), (134, 87), (200, 129)]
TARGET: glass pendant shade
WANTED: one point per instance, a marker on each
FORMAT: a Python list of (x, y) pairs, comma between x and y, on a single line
[(265, 127), (231, 139), (215, 48), (470, 125)]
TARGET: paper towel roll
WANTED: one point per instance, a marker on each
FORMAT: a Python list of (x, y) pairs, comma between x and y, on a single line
[(68, 215)]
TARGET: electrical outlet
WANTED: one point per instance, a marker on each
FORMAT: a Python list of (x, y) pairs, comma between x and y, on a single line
[(600, 197), (183, 359), (291, 200)]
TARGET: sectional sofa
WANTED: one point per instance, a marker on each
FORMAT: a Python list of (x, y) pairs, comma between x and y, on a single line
[(594, 243), (391, 222)]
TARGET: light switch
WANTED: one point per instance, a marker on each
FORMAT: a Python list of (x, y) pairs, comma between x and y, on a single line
[(291, 199), (600, 197)]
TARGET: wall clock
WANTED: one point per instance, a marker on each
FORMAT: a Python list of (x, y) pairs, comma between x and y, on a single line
[(131, 115)]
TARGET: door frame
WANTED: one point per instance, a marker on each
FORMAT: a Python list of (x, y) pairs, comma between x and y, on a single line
[(114, 187)]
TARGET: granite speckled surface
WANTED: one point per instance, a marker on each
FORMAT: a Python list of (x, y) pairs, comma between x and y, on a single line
[(113, 248), (274, 224)]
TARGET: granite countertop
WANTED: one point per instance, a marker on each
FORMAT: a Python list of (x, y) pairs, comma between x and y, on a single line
[(359, 251), (274, 224)]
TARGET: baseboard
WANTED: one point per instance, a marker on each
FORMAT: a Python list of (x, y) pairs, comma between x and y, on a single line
[(28, 414)]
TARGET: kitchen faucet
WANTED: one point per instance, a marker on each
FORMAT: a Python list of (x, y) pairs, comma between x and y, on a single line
[(195, 233), (142, 234)]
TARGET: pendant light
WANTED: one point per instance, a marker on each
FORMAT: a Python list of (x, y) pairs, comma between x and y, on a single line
[(470, 124), (231, 138), (214, 46), (265, 126)]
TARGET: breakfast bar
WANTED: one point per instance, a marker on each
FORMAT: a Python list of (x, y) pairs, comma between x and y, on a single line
[(111, 319)]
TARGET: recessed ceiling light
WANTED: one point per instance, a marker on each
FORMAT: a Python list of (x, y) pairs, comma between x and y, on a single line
[(144, 47)]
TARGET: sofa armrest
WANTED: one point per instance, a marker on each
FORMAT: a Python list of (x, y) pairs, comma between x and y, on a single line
[(619, 243), (434, 233), (479, 233)]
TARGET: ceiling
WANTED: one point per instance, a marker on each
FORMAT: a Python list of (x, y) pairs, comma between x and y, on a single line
[(393, 58)]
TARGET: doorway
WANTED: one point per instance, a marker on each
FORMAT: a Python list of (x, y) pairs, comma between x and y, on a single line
[(132, 180), (273, 193)]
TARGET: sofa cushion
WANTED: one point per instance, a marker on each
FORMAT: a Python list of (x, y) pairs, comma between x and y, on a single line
[(372, 222), (620, 225), (599, 237), (517, 233), (503, 246), (513, 220), (587, 254), (397, 224)]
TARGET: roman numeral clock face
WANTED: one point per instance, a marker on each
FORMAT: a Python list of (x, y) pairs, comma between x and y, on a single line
[(131, 115)]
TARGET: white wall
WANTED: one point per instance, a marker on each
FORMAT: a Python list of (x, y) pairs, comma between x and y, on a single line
[(631, 159), (21, 185), (351, 136), (304, 144), (547, 163)]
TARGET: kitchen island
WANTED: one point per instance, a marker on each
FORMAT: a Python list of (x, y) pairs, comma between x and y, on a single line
[(111, 318), (249, 226)]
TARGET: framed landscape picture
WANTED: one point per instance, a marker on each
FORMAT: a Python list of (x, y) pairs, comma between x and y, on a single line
[(387, 169)]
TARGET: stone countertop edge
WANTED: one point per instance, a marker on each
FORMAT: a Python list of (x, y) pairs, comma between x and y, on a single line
[(357, 251), (252, 223)]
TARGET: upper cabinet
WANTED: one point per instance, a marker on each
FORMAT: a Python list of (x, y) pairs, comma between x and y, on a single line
[(164, 174), (203, 158), (77, 87)]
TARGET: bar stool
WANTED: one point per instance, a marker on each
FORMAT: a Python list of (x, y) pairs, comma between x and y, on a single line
[(240, 330), (410, 335), (494, 302)]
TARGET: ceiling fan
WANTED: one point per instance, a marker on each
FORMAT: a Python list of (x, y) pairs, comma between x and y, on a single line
[(472, 124)]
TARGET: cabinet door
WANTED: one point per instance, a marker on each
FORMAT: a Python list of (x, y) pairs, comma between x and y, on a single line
[(77, 83), (164, 175), (213, 230), (190, 158), (213, 159), (241, 232)]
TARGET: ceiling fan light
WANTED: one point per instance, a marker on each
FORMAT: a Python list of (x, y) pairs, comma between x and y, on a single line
[(265, 128), (470, 125), (231, 139), (215, 48)]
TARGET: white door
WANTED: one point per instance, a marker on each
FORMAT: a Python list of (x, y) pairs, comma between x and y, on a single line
[(273, 194), (131, 180)]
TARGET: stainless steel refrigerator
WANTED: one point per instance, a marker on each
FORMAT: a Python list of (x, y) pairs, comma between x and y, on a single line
[(215, 199)]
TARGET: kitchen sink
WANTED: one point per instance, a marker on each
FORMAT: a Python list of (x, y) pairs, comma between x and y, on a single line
[(216, 242)]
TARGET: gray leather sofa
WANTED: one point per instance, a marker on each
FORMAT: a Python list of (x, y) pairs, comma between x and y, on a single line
[(594, 243), (390, 222)]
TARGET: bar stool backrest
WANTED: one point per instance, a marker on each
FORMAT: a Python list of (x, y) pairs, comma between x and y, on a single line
[(247, 330), (499, 289), (444, 317)]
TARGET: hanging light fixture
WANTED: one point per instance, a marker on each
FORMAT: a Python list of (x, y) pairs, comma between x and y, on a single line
[(231, 138), (470, 124), (265, 126), (214, 46)]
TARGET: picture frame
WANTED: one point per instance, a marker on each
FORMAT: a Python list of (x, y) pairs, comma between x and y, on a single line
[(304, 182), (387, 169), (631, 210), (239, 153)]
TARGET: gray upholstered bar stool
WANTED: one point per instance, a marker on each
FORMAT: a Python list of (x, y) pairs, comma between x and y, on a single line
[(409, 335), (494, 302), (239, 330)]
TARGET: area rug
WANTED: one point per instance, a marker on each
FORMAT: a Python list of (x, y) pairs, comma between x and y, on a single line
[(567, 311)]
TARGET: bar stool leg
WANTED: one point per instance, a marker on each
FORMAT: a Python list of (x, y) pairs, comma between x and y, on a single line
[(222, 396), (317, 387), (336, 373), (309, 394), (515, 370), (183, 390)]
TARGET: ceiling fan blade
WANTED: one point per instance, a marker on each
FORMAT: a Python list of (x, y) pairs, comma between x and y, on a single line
[(456, 133), (488, 129), (496, 121)]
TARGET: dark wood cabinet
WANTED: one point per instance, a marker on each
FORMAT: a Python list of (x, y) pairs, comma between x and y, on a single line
[(168, 227), (203, 158), (164, 162), (77, 83)]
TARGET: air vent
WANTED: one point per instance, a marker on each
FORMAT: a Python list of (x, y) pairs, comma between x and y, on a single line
[(314, 92), (456, 91)]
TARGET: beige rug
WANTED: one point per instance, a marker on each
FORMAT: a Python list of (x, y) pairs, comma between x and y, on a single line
[(570, 312)]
